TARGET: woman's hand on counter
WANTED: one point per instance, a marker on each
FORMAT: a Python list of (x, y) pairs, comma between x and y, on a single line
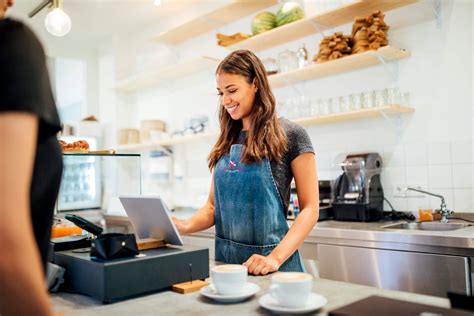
[(261, 265), (181, 226)]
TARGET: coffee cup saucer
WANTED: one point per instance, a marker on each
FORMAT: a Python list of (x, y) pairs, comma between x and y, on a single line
[(314, 302), (248, 290)]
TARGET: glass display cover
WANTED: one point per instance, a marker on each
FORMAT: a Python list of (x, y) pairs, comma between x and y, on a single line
[(90, 180)]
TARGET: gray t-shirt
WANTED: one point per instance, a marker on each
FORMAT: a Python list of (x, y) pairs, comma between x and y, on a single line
[(298, 143)]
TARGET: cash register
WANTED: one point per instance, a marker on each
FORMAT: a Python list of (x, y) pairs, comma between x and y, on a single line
[(150, 271)]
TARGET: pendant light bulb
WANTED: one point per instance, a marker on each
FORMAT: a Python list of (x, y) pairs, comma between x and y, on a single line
[(57, 22), (157, 2)]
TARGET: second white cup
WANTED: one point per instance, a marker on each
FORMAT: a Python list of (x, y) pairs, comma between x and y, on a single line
[(291, 289), (229, 279)]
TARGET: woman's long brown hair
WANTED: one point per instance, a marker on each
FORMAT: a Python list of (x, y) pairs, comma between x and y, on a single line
[(266, 137)]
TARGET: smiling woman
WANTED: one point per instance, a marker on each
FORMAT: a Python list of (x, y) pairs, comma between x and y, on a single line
[(254, 161)]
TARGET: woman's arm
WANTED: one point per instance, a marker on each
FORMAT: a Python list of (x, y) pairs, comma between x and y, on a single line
[(306, 179), (22, 283), (202, 220)]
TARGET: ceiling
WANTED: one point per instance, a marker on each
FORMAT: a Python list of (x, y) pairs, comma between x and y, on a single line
[(94, 20)]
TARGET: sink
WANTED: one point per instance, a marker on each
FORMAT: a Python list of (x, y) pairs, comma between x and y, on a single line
[(433, 226)]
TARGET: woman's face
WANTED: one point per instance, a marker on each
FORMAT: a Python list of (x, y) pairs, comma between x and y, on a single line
[(236, 94), (4, 5)]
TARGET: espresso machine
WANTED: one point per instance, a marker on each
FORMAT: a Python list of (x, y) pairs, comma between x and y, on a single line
[(358, 192)]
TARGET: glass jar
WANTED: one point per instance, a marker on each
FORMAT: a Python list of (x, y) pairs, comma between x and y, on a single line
[(302, 56), (287, 61), (271, 66)]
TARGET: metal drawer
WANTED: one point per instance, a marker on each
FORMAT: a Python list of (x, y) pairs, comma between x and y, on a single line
[(397, 270)]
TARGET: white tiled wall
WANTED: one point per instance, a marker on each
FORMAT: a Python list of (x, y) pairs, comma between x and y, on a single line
[(411, 165)]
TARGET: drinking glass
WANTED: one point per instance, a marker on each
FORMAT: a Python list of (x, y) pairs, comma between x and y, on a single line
[(356, 101), (334, 106), (324, 108), (393, 96), (304, 106), (368, 99), (292, 108), (405, 99), (314, 107), (345, 103), (381, 98)]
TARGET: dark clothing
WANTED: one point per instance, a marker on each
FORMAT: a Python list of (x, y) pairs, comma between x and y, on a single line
[(25, 87), (298, 143)]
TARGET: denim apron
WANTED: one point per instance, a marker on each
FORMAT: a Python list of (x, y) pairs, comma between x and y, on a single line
[(249, 212)]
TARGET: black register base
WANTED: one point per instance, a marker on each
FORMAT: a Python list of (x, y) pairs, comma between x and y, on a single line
[(152, 270)]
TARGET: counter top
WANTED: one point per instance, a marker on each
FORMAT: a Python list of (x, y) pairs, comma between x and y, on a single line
[(170, 303)]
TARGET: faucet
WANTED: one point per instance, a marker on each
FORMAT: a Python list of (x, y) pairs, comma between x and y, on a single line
[(443, 209)]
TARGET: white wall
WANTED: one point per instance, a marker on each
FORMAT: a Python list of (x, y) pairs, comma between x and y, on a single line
[(66, 87), (431, 148)]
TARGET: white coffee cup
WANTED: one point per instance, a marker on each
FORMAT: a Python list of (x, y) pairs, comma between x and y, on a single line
[(229, 279), (291, 289)]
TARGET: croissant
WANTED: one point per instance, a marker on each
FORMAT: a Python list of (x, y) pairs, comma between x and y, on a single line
[(78, 146)]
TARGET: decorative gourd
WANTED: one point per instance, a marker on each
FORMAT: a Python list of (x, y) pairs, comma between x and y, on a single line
[(262, 22), (289, 12)]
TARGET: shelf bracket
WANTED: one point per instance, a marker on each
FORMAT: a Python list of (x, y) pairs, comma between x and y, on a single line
[(173, 51), (393, 71), (295, 87), (167, 85), (319, 27), (438, 10), (395, 121), (170, 49)]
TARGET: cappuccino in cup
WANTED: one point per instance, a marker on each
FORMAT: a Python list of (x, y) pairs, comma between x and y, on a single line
[(229, 279), (291, 289)]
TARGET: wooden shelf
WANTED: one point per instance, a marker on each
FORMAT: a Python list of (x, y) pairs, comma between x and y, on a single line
[(337, 66), (310, 25), (169, 142), (233, 11), (156, 76), (307, 121), (353, 115)]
